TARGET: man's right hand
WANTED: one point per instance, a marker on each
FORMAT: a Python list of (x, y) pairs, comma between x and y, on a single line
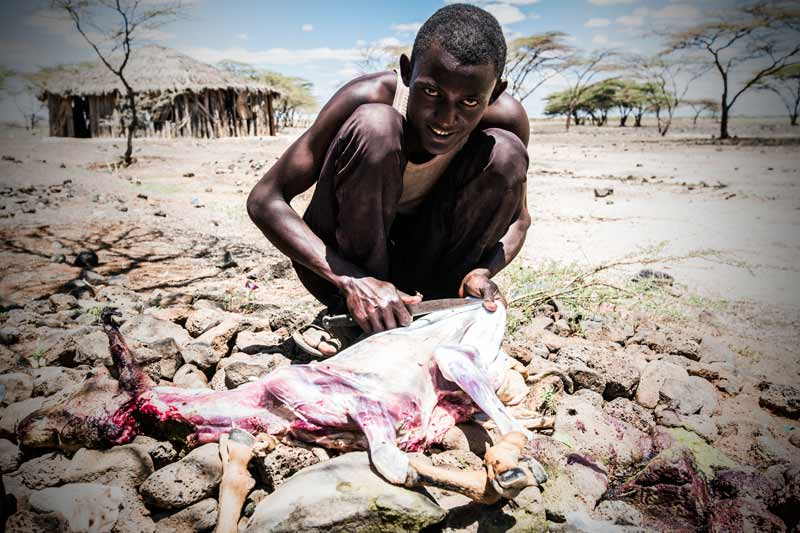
[(377, 305)]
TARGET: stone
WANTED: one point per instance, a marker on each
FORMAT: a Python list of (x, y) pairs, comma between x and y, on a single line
[(576, 481), (15, 387), (51, 380), (161, 452), (590, 431), (741, 483), (177, 314), (536, 326), (771, 450), (561, 328), (9, 335), (713, 350), (467, 436), (189, 376), (602, 329), (282, 463), (594, 398), (197, 518), (202, 320), (619, 513), (86, 259), (342, 495), (525, 513), (780, 399), (121, 466), (740, 515), (83, 506), (91, 348), (10, 456), (209, 348), (668, 340), (63, 302), (603, 368), (652, 379), (160, 359), (690, 395), (37, 473), (13, 414), (794, 437), (253, 343), (9, 360), (240, 369), (705, 426), (178, 485), (631, 413), (28, 521), (146, 330)]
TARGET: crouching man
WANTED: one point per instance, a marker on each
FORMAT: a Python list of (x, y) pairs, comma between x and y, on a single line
[(420, 181)]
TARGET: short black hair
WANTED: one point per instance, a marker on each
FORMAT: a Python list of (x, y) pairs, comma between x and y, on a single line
[(470, 34)]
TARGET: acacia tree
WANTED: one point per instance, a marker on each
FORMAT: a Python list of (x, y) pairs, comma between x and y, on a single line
[(669, 80), (533, 60), (760, 35), (579, 71), (700, 106), (786, 84), (111, 27)]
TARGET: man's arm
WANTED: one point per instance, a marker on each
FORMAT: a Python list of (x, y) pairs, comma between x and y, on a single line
[(508, 114), (375, 304)]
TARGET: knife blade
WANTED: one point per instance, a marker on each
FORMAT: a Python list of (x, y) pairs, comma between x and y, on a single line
[(422, 308)]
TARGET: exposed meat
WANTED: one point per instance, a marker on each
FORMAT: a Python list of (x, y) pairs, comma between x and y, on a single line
[(398, 390)]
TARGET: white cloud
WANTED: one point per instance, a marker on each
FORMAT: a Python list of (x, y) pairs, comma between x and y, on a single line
[(273, 56), (307, 27), (533, 16), (388, 41), (241, 36), (678, 11), (348, 71), (596, 23), (610, 2), (634, 19), (600, 39), (410, 27), (505, 13), (361, 42), (482, 2)]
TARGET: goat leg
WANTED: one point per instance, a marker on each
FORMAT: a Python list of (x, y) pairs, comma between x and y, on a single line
[(474, 485), (236, 450)]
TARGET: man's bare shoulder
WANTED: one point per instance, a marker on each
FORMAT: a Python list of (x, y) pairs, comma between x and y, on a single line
[(373, 88), (508, 114)]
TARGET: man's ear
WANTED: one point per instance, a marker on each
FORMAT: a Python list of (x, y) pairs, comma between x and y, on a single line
[(499, 87), (405, 69)]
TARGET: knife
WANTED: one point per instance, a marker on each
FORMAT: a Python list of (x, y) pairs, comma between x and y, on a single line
[(422, 308)]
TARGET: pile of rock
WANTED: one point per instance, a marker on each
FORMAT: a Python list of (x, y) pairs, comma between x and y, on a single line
[(640, 429)]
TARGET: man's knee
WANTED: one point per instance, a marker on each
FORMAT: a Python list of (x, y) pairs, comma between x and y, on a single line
[(509, 157), (379, 126)]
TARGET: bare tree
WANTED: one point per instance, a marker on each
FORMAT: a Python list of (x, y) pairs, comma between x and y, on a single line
[(762, 35), (700, 106), (371, 58), (110, 28), (533, 60), (579, 72), (670, 80), (786, 84)]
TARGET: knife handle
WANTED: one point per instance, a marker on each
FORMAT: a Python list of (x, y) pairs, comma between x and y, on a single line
[(338, 321)]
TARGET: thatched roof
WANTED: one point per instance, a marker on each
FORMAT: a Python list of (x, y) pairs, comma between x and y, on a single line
[(149, 69)]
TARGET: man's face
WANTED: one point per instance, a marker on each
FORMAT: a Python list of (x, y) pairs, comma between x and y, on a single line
[(446, 99)]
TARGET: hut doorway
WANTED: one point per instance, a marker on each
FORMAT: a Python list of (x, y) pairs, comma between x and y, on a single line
[(80, 117)]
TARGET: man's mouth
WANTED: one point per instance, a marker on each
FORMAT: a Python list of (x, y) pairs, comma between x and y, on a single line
[(441, 133)]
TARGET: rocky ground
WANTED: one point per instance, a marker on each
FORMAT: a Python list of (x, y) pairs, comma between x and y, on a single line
[(664, 424)]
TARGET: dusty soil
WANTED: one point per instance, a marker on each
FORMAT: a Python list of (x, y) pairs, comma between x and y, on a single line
[(734, 206)]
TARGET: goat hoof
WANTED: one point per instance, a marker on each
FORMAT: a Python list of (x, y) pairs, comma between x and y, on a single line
[(535, 469)]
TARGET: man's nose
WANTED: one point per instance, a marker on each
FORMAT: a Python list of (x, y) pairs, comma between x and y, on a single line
[(446, 114)]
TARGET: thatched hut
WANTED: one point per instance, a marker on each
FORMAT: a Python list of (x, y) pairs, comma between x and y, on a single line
[(176, 96)]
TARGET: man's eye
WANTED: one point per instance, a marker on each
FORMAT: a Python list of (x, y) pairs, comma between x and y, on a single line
[(431, 92), (470, 102)]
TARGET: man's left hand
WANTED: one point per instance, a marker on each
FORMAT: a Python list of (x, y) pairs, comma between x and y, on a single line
[(477, 283)]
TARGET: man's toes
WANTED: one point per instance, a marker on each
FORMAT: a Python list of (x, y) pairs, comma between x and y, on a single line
[(327, 349)]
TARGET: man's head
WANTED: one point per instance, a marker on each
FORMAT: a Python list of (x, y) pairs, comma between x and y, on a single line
[(453, 75)]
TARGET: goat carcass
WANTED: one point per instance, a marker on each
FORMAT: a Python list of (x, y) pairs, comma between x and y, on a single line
[(398, 390)]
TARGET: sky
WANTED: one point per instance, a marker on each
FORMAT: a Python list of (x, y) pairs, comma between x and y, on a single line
[(322, 41)]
